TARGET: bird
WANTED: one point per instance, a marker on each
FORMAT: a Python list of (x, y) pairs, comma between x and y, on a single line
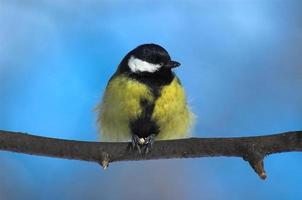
[(144, 100)]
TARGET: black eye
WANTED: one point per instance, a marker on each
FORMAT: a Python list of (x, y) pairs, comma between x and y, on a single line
[(161, 63)]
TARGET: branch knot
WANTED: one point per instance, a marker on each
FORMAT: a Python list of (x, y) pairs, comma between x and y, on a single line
[(255, 158), (104, 160)]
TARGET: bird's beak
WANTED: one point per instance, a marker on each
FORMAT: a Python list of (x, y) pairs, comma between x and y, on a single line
[(172, 64)]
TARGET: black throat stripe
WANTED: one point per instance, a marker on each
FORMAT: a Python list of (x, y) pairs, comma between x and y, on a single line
[(144, 125)]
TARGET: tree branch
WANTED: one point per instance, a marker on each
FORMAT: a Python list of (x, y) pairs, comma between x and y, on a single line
[(251, 149)]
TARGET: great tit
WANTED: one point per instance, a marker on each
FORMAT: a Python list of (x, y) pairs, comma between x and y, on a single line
[(144, 100)]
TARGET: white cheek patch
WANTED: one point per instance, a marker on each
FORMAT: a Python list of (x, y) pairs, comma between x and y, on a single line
[(138, 65)]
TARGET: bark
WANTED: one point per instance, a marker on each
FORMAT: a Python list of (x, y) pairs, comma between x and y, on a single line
[(251, 149)]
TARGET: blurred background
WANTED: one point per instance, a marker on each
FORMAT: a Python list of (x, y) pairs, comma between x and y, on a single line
[(241, 67)]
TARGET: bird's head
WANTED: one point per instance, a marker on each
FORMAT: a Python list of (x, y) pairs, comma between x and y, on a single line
[(147, 58)]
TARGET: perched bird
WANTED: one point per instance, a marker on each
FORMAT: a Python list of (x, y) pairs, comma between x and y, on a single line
[(144, 100)]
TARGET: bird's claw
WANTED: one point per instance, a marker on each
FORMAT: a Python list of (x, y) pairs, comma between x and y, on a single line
[(149, 141), (143, 143), (136, 143)]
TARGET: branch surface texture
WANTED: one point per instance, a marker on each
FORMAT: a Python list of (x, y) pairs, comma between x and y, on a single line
[(251, 149)]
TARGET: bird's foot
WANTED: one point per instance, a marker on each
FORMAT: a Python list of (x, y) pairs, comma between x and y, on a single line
[(149, 141), (144, 144), (136, 143)]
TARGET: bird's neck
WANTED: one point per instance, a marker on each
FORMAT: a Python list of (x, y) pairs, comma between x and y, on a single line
[(155, 81), (159, 78)]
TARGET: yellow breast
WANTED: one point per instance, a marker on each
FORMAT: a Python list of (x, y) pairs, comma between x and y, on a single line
[(172, 113), (121, 104)]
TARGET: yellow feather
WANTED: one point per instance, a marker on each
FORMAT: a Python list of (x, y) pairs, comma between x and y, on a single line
[(121, 104), (171, 112)]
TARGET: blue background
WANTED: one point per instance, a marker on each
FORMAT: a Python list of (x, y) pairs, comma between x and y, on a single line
[(241, 67)]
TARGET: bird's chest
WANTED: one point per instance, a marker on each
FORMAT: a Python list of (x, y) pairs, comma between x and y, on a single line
[(168, 95), (170, 102), (168, 98)]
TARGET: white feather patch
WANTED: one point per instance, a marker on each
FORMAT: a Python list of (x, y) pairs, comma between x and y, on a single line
[(138, 65)]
